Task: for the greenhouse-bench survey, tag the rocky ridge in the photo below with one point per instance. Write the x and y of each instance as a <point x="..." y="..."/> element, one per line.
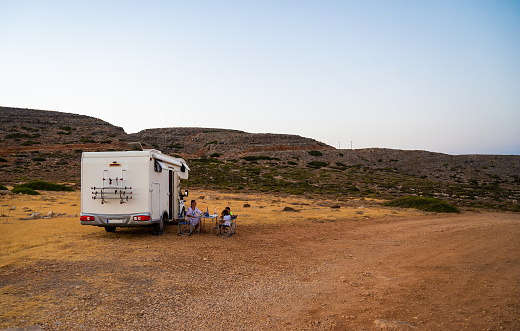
<point x="47" y="145"/>
<point x="208" y="141"/>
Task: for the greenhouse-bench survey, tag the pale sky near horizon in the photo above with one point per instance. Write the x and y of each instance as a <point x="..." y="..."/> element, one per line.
<point x="442" y="76"/>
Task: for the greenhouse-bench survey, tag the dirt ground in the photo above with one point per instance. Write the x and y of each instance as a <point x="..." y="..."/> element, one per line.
<point x="357" y="267"/>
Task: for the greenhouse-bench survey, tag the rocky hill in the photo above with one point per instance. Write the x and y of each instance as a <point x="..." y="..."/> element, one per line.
<point x="37" y="144"/>
<point x="207" y="141"/>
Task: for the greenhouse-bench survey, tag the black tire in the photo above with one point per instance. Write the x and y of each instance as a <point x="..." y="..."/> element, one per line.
<point x="159" y="227"/>
<point x="110" y="228"/>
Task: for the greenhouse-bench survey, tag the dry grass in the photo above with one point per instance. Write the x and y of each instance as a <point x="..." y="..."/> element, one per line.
<point x="63" y="237"/>
<point x="316" y="268"/>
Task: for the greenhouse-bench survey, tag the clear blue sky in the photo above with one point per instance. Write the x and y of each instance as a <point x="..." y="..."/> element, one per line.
<point x="441" y="76"/>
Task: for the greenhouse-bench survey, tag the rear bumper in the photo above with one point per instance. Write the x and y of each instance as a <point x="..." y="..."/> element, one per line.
<point x="117" y="220"/>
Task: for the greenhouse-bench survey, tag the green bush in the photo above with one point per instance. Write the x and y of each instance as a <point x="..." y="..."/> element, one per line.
<point x="315" y="153"/>
<point x="30" y="143"/>
<point x="215" y="155"/>
<point x="259" y="157"/>
<point x="3" y="159"/>
<point x="422" y="203"/>
<point x="86" y="140"/>
<point x="292" y="163"/>
<point x="24" y="190"/>
<point x="3" y="188"/>
<point x="39" y="159"/>
<point x="45" y="186"/>
<point x="317" y="164"/>
<point x="205" y="160"/>
<point x="16" y="136"/>
<point x="175" y="146"/>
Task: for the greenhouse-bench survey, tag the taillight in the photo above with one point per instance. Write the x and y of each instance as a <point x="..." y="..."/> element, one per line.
<point x="141" y="218"/>
<point x="86" y="218"/>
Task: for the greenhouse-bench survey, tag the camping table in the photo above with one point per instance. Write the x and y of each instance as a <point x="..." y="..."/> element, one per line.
<point x="211" y="217"/>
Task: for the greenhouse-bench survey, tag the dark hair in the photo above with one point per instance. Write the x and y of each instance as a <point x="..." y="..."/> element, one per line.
<point x="192" y="201"/>
<point x="227" y="208"/>
<point x="225" y="212"/>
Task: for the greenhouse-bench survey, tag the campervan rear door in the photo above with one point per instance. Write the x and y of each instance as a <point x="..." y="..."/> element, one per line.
<point x="128" y="170"/>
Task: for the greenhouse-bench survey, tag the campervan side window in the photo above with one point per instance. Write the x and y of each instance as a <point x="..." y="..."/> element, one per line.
<point x="159" y="166"/>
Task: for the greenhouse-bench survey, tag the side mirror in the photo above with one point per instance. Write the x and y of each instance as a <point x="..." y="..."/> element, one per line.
<point x="186" y="193"/>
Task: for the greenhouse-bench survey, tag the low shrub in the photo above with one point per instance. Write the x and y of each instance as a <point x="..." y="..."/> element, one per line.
<point x="30" y="143"/>
<point x="315" y="153"/>
<point x="317" y="164"/>
<point x="16" y="136"/>
<point x="44" y="186"/>
<point x="205" y="160"/>
<point x="251" y="158"/>
<point x="24" y="190"/>
<point x="3" y="188"/>
<point x="422" y="203"/>
<point x="175" y="146"/>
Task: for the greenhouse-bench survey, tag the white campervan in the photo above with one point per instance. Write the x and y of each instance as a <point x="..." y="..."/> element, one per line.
<point x="131" y="188"/>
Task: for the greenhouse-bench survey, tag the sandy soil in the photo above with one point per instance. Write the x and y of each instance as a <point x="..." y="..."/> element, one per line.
<point x="357" y="267"/>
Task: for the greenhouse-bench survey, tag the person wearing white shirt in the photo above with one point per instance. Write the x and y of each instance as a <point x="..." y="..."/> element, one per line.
<point x="225" y="217"/>
<point x="194" y="214"/>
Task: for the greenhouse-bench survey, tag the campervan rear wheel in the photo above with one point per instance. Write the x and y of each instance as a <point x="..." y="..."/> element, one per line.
<point x="110" y="228"/>
<point x="159" y="227"/>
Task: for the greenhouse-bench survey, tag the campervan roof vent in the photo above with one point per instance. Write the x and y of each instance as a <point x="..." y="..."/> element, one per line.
<point x="136" y="146"/>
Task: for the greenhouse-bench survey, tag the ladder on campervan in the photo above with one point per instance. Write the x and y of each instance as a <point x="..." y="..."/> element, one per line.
<point x="112" y="188"/>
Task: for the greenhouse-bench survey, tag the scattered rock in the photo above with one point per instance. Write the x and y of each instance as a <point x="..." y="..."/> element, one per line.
<point x="386" y="324"/>
<point x="290" y="209"/>
<point x="6" y="192"/>
<point x="246" y="205"/>
<point x="34" y="216"/>
<point x="335" y="207"/>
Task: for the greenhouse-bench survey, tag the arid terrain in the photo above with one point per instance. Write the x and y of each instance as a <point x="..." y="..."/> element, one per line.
<point x="357" y="266"/>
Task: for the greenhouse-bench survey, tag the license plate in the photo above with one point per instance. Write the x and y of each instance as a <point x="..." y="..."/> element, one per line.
<point x="115" y="221"/>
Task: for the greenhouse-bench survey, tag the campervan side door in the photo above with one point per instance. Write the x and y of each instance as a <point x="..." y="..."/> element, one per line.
<point x="156" y="201"/>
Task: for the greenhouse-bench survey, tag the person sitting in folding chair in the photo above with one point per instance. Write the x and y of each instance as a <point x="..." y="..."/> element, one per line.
<point x="193" y="213"/>
<point x="226" y="226"/>
<point x="229" y="211"/>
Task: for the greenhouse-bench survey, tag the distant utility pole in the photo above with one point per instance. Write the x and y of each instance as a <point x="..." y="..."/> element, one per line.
<point x="339" y="144"/>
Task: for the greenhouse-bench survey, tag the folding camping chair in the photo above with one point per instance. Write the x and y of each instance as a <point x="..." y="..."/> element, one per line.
<point x="185" y="225"/>
<point x="185" y="228"/>
<point x="228" y="228"/>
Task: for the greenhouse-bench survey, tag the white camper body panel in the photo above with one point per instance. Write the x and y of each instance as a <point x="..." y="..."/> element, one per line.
<point x="131" y="188"/>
